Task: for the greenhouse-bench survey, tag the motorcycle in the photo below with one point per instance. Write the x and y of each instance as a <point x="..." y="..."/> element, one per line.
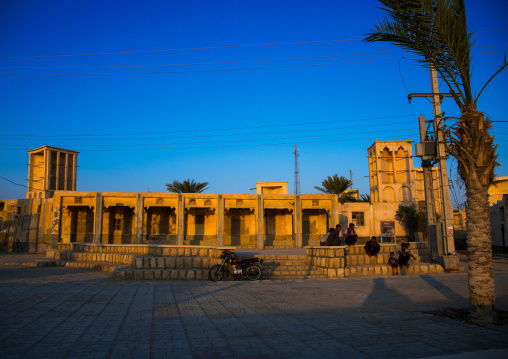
<point x="238" y="268"/>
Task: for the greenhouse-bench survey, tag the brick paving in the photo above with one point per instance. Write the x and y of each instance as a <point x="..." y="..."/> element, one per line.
<point x="55" y="312"/>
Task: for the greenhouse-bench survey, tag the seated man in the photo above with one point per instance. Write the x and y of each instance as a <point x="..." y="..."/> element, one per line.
<point x="333" y="238"/>
<point x="372" y="247"/>
<point x="404" y="255"/>
<point x="350" y="235"/>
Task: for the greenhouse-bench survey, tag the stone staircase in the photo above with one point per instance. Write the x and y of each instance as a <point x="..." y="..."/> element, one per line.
<point x="287" y="266"/>
<point x="358" y="263"/>
<point x="139" y="262"/>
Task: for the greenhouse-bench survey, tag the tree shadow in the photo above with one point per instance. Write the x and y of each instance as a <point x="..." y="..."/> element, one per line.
<point x="443" y="289"/>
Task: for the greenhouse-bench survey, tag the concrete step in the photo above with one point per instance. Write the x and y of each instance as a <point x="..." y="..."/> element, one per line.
<point x="382" y="270"/>
<point x="287" y="267"/>
<point x="104" y="267"/>
<point x="164" y="274"/>
<point x="365" y="259"/>
<point x="290" y="272"/>
<point x="38" y="263"/>
<point x="126" y="259"/>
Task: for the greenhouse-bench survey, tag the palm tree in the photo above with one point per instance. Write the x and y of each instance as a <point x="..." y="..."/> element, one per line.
<point x="436" y="30"/>
<point x="187" y="186"/>
<point x="334" y="185"/>
<point x="365" y="198"/>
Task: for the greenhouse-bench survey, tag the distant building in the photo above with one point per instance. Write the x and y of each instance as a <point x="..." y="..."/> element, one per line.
<point x="55" y="211"/>
<point x="51" y="169"/>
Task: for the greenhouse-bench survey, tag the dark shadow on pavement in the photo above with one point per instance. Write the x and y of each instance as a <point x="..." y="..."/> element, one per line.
<point x="443" y="289"/>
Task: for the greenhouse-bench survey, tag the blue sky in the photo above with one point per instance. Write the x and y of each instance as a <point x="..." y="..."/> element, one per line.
<point x="137" y="130"/>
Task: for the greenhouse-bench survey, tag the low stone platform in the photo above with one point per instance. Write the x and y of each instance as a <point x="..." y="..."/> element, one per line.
<point x="193" y="262"/>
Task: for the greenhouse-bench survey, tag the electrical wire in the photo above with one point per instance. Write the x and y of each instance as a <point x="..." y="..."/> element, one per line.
<point x="181" y="49"/>
<point x="235" y="146"/>
<point x="194" y="71"/>
<point x="198" y="63"/>
<point x="215" y="129"/>
<point x="220" y="135"/>
<point x="231" y="141"/>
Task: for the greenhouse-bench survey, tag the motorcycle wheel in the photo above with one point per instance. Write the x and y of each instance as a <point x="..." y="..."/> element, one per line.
<point x="216" y="273"/>
<point x="253" y="272"/>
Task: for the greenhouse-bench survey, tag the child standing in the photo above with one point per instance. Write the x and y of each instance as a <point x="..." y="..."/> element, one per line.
<point x="392" y="261"/>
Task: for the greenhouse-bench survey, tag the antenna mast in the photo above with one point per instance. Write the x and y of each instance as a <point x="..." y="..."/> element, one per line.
<point x="297" y="171"/>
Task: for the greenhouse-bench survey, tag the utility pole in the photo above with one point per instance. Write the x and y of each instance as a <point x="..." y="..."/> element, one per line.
<point x="297" y="171"/>
<point x="428" y="182"/>
<point x="433" y="151"/>
<point x="448" y="245"/>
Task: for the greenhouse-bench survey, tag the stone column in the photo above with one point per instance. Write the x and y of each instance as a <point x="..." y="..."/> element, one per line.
<point x="74" y="171"/>
<point x="260" y="237"/>
<point x="56" y="227"/>
<point x="180" y="219"/>
<point x="47" y="170"/>
<point x="298" y="219"/>
<point x="57" y="172"/>
<point x="138" y="239"/>
<point x="66" y="169"/>
<point x="220" y="221"/>
<point x="394" y="163"/>
<point x="97" y="233"/>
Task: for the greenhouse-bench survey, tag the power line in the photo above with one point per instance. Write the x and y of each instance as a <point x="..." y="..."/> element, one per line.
<point x="222" y="135"/>
<point x="201" y="48"/>
<point x="182" y="49"/>
<point x="17" y="184"/>
<point x="221" y="62"/>
<point x="197" y="63"/>
<point x="192" y="71"/>
<point x="232" y="141"/>
<point x="236" y="146"/>
<point x="217" y="129"/>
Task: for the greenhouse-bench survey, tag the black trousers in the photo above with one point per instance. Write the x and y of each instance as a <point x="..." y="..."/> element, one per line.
<point x="403" y="259"/>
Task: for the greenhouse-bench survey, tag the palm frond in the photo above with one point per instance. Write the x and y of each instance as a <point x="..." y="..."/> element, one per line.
<point x="437" y="32"/>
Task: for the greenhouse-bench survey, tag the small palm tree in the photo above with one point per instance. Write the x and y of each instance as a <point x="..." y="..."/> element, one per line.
<point x="187" y="186"/>
<point x="334" y="185"/>
<point x="365" y="198"/>
<point x="436" y="31"/>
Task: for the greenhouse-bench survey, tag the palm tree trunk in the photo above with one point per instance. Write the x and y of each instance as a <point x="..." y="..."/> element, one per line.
<point x="474" y="149"/>
<point x="482" y="293"/>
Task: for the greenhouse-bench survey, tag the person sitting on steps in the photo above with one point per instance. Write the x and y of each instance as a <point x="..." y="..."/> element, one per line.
<point x="392" y="261"/>
<point x="338" y="228"/>
<point x="350" y="235"/>
<point x="372" y="247"/>
<point x="404" y="255"/>
<point x="333" y="238"/>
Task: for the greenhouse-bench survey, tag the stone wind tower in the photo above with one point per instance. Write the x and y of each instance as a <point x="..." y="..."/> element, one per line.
<point x="390" y="171"/>
<point x="51" y="169"/>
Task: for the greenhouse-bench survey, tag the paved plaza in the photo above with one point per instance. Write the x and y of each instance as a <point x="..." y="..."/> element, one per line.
<point x="52" y="312"/>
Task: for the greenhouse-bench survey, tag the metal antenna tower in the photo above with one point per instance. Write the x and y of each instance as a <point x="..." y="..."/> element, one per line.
<point x="297" y="171"/>
<point x="351" y="174"/>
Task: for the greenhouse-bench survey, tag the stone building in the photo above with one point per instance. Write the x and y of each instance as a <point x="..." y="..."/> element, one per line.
<point x="55" y="212"/>
<point x="51" y="169"/>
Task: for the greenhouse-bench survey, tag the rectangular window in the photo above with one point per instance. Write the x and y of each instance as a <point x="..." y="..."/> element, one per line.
<point x="118" y="224"/>
<point x="358" y="218"/>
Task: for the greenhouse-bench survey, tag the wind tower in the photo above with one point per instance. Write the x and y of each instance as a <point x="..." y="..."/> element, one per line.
<point x="51" y="169"/>
<point x="297" y="171"/>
